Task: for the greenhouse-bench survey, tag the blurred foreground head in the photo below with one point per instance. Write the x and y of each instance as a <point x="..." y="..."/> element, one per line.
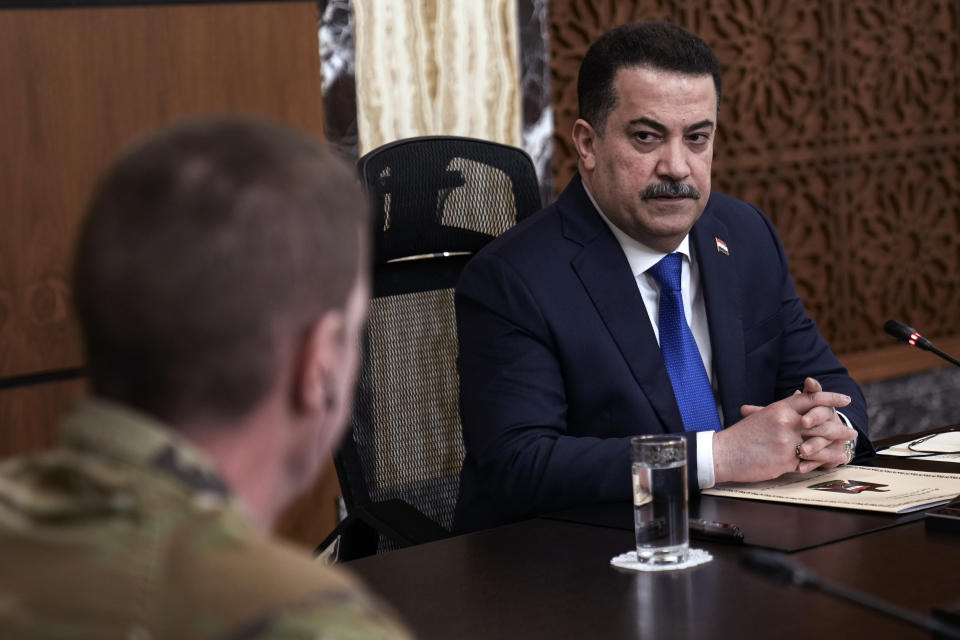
<point x="220" y="265"/>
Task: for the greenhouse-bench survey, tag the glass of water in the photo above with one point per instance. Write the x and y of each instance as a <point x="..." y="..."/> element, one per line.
<point x="660" y="498"/>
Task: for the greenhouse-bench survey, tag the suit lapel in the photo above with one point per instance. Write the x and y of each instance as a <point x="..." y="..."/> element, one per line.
<point x="722" y="297"/>
<point x="605" y="274"/>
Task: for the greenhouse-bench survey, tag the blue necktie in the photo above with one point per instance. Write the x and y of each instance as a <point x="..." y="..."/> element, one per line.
<point x="691" y="386"/>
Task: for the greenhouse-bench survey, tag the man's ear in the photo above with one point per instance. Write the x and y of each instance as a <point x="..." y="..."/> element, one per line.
<point x="321" y="354"/>
<point x="584" y="137"/>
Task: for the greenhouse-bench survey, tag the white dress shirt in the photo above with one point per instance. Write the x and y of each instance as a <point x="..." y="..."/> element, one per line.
<point x="641" y="258"/>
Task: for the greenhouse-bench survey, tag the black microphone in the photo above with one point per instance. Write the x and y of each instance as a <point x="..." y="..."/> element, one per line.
<point x="912" y="337"/>
<point x="778" y="568"/>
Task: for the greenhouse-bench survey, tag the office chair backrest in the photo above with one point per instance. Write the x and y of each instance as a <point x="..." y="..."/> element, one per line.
<point x="436" y="201"/>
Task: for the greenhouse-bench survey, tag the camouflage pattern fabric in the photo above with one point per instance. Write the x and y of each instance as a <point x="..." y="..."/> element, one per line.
<point x="126" y="531"/>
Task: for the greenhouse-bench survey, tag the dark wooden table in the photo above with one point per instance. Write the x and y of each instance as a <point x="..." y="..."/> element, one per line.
<point x="547" y="578"/>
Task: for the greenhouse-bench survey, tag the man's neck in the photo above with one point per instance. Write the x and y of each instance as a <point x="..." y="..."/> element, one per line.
<point x="248" y="454"/>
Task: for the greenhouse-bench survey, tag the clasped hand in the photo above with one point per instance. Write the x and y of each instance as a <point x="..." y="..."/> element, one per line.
<point x="763" y="445"/>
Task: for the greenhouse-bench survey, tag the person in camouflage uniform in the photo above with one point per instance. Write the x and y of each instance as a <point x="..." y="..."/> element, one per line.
<point x="221" y="289"/>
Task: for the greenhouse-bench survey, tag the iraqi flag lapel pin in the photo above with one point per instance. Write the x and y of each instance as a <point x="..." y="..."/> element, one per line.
<point x="722" y="246"/>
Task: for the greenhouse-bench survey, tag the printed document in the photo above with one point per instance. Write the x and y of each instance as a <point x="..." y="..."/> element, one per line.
<point x="851" y="487"/>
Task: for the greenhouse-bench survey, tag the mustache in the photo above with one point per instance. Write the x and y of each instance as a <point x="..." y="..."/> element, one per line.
<point x="670" y="188"/>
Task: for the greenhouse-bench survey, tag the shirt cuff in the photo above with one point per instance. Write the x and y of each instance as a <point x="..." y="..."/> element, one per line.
<point x="845" y="420"/>
<point x="705" y="477"/>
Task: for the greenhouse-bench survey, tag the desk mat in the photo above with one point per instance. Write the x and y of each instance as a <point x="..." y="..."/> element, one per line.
<point x="783" y="527"/>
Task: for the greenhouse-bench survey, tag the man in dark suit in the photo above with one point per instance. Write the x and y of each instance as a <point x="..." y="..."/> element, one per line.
<point x="640" y="303"/>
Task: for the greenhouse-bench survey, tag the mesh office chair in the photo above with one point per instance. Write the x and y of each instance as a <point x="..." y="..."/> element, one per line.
<point x="436" y="201"/>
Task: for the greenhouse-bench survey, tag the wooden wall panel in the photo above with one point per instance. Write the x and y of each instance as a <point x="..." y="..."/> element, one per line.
<point x="29" y="415"/>
<point x="76" y="86"/>
<point x="841" y="120"/>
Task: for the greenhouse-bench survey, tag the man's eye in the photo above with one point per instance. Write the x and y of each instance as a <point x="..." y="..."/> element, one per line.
<point x="645" y="136"/>
<point x="699" y="138"/>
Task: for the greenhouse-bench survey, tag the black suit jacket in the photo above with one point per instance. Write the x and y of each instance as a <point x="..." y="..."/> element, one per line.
<point x="559" y="364"/>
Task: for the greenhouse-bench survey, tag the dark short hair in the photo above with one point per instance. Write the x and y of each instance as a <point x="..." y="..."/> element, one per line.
<point x="207" y="252"/>
<point x="655" y="44"/>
